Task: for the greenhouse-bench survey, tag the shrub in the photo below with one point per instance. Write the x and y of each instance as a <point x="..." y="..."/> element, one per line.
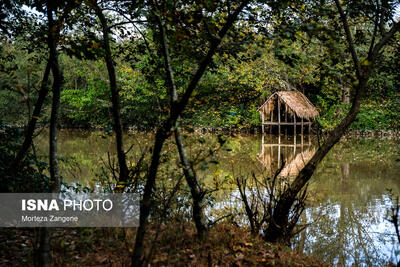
<point x="30" y="175"/>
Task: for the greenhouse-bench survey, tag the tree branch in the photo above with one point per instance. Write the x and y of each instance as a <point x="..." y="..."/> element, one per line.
<point x="395" y="28"/>
<point x="349" y="38"/>
<point x="203" y="65"/>
<point x="167" y="62"/>
<point x="371" y="47"/>
<point x="125" y="22"/>
<point x="162" y="134"/>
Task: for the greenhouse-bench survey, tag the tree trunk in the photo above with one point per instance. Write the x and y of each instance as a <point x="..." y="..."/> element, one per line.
<point x="55" y="108"/>
<point x="281" y="212"/>
<point x="199" y="216"/>
<point x="195" y="188"/>
<point x="274" y="232"/>
<point x="164" y="131"/>
<point x="145" y="205"/>
<point x="116" y="107"/>
<point x="35" y="116"/>
<point x="45" y="257"/>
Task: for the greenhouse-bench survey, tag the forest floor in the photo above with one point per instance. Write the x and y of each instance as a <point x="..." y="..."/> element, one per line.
<point x="172" y="245"/>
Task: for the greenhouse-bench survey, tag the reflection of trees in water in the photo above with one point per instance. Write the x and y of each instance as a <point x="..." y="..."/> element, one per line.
<point x="343" y="235"/>
<point x="352" y="184"/>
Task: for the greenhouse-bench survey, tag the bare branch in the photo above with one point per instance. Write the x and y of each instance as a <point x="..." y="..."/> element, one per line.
<point x="395" y="28"/>
<point x="167" y="62"/>
<point x="349" y="38"/>
<point x="371" y="47"/>
<point x="126" y="22"/>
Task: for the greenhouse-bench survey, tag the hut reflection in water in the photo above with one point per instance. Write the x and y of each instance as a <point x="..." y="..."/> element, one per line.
<point x="294" y="150"/>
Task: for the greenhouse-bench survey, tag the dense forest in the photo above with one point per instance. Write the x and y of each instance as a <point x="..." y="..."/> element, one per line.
<point x="257" y="59"/>
<point x="148" y="76"/>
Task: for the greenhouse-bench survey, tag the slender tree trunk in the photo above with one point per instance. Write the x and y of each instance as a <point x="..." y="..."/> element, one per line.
<point x="45" y="257"/>
<point x="145" y="205"/>
<point x="35" y="116"/>
<point x="197" y="192"/>
<point x="165" y="130"/>
<point x="55" y="108"/>
<point x="195" y="188"/>
<point x="116" y="107"/>
<point x="42" y="94"/>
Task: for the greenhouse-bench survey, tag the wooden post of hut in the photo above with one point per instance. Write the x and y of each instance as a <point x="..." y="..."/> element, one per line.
<point x="296" y="104"/>
<point x="294" y="144"/>
<point x="279" y="117"/>
<point x="272" y="121"/>
<point x="279" y="150"/>
<point x="262" y="145"/>
<point x="262" y="121"/>
<point x="286" y="119"/>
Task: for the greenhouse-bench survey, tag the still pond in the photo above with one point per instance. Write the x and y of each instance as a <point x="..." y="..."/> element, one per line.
<point x="348" y="203"/>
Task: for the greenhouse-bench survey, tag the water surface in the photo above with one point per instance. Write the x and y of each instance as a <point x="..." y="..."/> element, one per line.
<point x="348" y="192"/>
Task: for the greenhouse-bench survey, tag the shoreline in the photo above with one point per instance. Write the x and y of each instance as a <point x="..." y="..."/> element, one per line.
<point x="245" y="130"/>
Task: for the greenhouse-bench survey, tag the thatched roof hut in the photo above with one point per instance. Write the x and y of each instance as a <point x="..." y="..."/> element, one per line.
<point x="290" y="108"/>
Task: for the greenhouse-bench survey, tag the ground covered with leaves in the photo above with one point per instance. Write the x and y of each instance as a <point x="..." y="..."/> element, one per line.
<point x="172" y="245"/>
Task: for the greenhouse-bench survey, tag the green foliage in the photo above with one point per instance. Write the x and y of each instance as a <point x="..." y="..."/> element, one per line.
<point x="300" y="53"/>
<point x="228" y="95"/>
<point x="332" y="114"/>
<point x="87" y="102"/>
<point x="30" y="176"/>
<point x="375" y="115"/>
<point x="143" y="97"/>
<point x="86" y="95"/>
<point x="20" y="79"/>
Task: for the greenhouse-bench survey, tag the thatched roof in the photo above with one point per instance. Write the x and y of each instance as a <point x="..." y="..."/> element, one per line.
<point x="296" y="102"/>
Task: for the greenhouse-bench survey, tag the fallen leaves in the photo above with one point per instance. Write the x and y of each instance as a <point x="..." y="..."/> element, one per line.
<point x="175" y="245"/>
